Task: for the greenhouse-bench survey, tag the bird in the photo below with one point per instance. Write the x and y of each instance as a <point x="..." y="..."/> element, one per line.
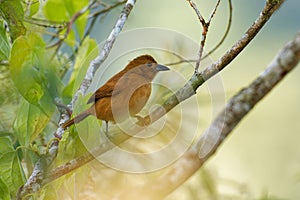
<point x="124" y="95"/>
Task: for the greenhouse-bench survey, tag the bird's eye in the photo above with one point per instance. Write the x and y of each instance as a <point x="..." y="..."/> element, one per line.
<point x="149" y="64"/>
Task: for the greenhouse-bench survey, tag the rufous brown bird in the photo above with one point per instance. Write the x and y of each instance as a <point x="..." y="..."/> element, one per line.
<point x="125" y="94"/>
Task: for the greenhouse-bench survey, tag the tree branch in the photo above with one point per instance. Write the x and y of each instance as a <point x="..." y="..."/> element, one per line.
<point x="238" y="106"/>
<point x="205" y="26"/>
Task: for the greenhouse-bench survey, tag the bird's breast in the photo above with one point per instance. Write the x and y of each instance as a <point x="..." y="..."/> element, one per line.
<point x="124" y="104"/>
<point x="139" y="98"/>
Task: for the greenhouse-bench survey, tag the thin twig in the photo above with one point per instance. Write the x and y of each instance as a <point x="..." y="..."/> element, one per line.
<point x="216" y="46"/>
<point x="197" y="11"/>
<point x="70" y="24"/>
<point x="46" y="23"/>
<point x="204" y="32"/>
<point x="225" y="34"/>
<point x="205" y="26"/>
<point x="182" y="61"/>
<point x="106" y="9"/>
<point x="213" y="12"/>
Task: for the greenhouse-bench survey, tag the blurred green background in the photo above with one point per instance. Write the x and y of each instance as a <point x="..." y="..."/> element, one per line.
<point x="261" y="158"/>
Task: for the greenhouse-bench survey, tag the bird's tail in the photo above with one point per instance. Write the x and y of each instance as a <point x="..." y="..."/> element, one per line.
<point x="76" y="119"/>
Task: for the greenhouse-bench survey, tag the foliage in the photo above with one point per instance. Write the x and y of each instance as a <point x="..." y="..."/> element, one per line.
<point x="12" y="174"/>
<point x="35" y="71"/>
<point x="12" y="11"/>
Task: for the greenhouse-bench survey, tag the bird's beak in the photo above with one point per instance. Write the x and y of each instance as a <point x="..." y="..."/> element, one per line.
<point x="161" y="68"/>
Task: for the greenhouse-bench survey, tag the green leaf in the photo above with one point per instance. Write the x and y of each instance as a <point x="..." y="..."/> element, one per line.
<point x="58" y="6"/>
<point x="30" y="122"/>
<point x="82" y="20"/>
<point x="86" y="53"/>
<point x="34" y="72"/>
<point x="11" y="172"/>
<point x="57" y="10"/>
<point x="70" y="147"/>
<point x="34" y="8"/>
<point x="12" y="12"/>
<point x="68" y="92"/>
<point x="25" y="67"/>
<point x="49" y="192"/>
<point x="4" y="191"/>
<point x="4" y="44"/>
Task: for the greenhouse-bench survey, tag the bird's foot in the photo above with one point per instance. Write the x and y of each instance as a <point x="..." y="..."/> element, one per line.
<point x="142" y="121"/>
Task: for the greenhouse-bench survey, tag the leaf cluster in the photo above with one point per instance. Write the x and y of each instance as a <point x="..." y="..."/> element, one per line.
<point x="34" y="73"/>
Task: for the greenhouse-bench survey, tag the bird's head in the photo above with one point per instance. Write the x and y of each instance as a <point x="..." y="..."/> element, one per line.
<point x="147" y="65"/>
